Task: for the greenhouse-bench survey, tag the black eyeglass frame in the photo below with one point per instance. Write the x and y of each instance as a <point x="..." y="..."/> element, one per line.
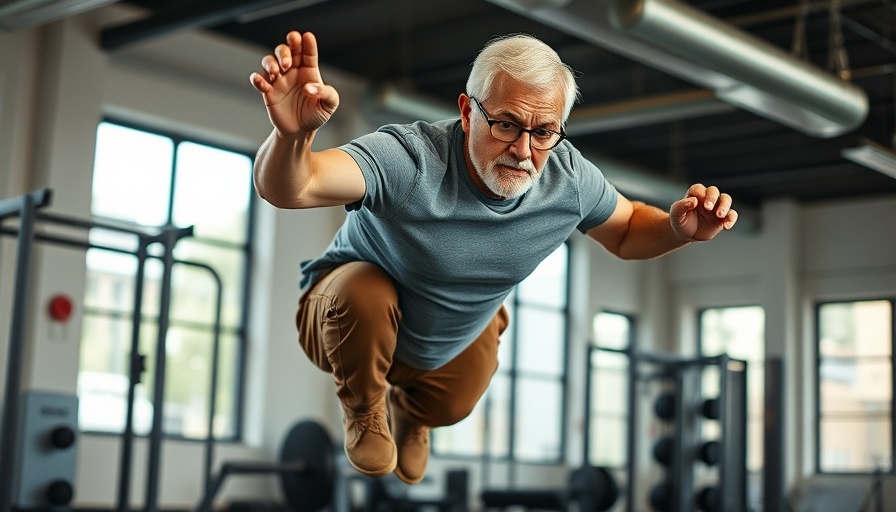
<point x="491" y="123"/>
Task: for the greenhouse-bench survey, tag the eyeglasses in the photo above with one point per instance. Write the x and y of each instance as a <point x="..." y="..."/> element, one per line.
<point x="508" y="131"/>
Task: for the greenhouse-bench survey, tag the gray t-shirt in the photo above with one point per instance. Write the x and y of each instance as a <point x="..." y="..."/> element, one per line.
<point x="454" y="252"/>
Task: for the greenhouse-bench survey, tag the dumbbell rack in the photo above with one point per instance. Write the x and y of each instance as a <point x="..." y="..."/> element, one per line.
<point x="684" y="409"/>
<point x="684" y="376"/>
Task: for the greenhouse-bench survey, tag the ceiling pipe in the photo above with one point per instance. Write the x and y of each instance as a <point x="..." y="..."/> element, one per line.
<point x="831" y="105"/>
<point x="667" y="36"/>
<point x="390" y="104"/>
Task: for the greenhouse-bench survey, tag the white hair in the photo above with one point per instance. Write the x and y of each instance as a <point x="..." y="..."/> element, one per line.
<point x="524" y="58"/>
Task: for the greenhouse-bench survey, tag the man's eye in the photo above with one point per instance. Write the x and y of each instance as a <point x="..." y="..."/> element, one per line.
<point x="507" y="126"/>
<point x="542" y="133"/>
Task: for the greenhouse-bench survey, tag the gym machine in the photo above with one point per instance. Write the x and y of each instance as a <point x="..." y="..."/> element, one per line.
<point x="588" y="489"/>
<point x="307" y="471"/>
<point x="26" y="208"/>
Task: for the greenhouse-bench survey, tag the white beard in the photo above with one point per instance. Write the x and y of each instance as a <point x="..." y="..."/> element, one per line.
<point x="505" y="185"/>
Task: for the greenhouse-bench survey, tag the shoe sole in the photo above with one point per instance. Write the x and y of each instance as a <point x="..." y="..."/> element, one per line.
<point x="378" y="472"/>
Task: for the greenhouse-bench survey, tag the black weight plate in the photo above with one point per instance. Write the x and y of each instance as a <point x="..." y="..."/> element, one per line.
<point x="313" y="489"/>
<point x="664" y="450"/>
<point x="594" y="488"/>
<point x="664" y="406"/>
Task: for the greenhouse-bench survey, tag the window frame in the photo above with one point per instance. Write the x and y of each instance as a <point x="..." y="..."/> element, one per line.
<point x="240" y="331"/>
<point x="817" y="385"/>
<point x="593" y="412"/>
<point x="751" y="365"/>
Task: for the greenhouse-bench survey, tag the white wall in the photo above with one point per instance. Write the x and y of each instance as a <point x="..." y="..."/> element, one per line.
<point x="56" y="84"/>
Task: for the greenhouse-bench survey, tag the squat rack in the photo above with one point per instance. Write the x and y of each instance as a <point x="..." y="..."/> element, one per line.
<point x="26" y="208"/>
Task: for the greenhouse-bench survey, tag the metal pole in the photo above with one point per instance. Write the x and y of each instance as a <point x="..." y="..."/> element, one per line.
<point x="9" y="431"/>
<point x="631" y="451"/>
<point x="773" y="494"/>
<point x="136" y="369"/>
<point x="155" y="437"/>
<point x="213" y="394"/>
<point x="586" y="444"/>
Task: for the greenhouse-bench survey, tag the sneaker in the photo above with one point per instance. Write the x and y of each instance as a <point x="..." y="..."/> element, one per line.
<point x="368" y="443"/>
<point x="412" y="440"/>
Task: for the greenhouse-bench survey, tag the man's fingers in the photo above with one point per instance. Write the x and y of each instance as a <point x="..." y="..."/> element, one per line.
<point x="723" y="206"/>
<point x="284" y="56"/>
<point x="681" y="207"/>
<point x="731" y="219"/>
<point x="309" y="50"/>
<point x="271" y="66"/>
<point x="294" y="41"/>
<point x="696" y="190"/>
<point x="711" y="198"/>
<point x="327" y="95"/>
<point x="260" y="84"/>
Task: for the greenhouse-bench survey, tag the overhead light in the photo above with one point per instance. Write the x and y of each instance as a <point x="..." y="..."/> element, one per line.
<point x="872" y="156"/>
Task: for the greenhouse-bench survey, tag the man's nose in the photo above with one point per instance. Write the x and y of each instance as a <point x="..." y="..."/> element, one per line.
<point x="521" y="148"/>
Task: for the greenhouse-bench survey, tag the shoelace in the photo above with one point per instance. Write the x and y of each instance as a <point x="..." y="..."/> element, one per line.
<point x="372" y="421"/>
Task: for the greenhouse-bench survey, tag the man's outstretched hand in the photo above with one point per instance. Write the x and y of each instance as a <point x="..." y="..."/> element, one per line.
<point x="702" y="213"/>
<point x="294" y="94"/>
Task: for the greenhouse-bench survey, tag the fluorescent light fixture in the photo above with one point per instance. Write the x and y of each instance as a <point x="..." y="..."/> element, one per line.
<point x="872" y="156"/>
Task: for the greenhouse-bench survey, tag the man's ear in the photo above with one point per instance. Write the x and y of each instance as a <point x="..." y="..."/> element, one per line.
<point x="463" y="105"/>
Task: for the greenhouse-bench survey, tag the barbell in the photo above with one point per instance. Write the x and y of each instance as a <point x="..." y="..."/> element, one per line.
<point x="307" y="469"/>
<point x="588" y="489"/>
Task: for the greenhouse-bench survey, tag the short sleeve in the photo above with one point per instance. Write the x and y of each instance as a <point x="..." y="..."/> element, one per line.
<point x="389" y="165"/>
<point x="597" y="195"/>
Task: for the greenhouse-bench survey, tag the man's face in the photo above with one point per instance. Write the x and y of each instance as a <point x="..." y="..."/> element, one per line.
<point x="508" y="169"/>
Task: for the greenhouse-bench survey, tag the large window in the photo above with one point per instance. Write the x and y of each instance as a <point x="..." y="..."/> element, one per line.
<point x="521" y="415"/>
<point x="608" y="410"/>
<point x="156" y="179"/>
<point x="738" y="332"/>
<point x="855" y="386"/>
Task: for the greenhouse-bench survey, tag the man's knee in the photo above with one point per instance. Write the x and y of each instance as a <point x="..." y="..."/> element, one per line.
<point x="451" y="413"/>
<point x="365" y="289"/>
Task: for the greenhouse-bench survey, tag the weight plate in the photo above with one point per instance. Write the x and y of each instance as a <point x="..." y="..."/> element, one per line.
<point x="311" y="490"/>
<point x="594" y="488"/>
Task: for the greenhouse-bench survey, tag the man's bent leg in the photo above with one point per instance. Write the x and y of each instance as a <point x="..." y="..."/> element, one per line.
<point x="347" y="326"/>
<point x="420" y="400"/>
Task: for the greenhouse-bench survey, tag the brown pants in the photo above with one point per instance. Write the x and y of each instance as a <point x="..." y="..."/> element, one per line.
<point x="348" y="324"/>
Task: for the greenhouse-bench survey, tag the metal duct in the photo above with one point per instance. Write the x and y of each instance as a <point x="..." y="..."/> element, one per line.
<point x="669" y="37"/>
<point x="832" y="106"/>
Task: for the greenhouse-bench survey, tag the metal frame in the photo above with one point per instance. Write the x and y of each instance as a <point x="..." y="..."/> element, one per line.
<point x="686" y="376"/>
<point x="167" y="236"/>
<point x="25" y="207"/>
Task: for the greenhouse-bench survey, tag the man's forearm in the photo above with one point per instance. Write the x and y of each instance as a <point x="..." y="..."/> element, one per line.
<point x="649" y="234"/>
<point x="281" y="169"/>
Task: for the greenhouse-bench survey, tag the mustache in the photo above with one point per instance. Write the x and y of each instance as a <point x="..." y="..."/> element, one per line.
<point x="523" y="165"/>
